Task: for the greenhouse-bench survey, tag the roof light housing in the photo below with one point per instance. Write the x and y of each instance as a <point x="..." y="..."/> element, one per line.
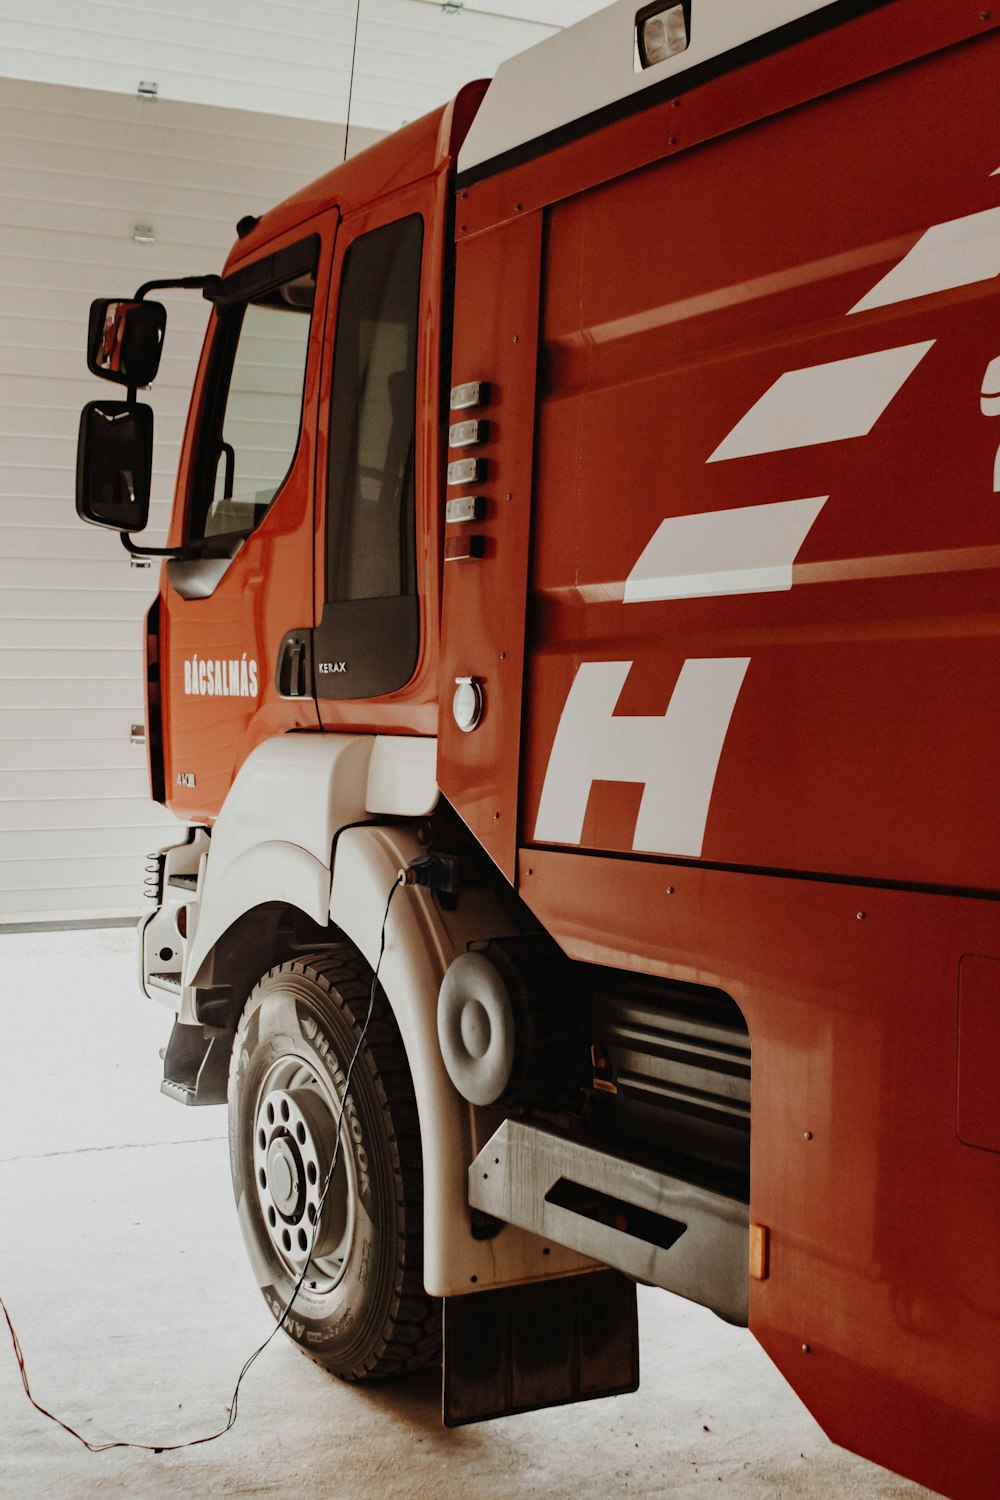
<point x="662" y="30"/>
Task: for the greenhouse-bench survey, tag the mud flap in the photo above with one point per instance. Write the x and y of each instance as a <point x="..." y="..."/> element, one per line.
<point x="521" y="1348"/>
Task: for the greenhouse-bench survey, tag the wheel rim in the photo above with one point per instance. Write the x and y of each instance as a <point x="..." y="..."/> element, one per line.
<point x="294" y="1131"/>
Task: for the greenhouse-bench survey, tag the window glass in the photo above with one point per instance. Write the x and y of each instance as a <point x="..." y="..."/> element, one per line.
<point x="252" y="423"/>
<point x="371" y="543"/>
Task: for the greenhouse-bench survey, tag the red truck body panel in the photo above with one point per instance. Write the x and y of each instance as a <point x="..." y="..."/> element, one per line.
<point x="882" y="1305"/>
<point x="831" y="880"/>
<point x="867" y="674"/>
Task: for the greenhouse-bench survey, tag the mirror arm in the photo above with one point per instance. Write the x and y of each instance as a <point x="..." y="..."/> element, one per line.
<point x="192" y="283"/>
<point x="204" y="548"/>
<point x="194" y="549"/>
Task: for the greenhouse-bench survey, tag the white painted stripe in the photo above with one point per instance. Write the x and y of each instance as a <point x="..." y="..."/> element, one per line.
<point x="955" y="253"/>
<point x="989" y="395"/>
<point x="749" y="550"/>
<point x="675" y="755"/>
<point x="823" y="403"/>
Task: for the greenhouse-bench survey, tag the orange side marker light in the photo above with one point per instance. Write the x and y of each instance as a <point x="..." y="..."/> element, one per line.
<point x="759" y="1251"/>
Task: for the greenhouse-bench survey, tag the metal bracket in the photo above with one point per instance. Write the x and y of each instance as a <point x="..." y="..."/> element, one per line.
<point x="657" y="1228"/>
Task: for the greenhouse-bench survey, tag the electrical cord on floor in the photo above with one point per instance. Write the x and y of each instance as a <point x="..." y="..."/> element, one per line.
<point x="401" y="879"/>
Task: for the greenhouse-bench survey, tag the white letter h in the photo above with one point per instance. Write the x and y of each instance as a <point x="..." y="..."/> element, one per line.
<point x="675" y="756"/>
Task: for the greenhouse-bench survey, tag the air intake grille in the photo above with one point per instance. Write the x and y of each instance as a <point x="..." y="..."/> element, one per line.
<point x="678" y="1064"/>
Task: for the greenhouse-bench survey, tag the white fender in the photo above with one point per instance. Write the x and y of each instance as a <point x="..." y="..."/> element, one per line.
<point x="420" y="942"/>
<point x="273" y="841"/>
<point x="273" y="838"/>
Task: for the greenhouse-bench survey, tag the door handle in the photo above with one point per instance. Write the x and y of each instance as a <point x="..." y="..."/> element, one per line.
<point x="294" y="671"/>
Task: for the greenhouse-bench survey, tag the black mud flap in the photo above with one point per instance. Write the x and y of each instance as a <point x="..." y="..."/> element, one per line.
<point x="525" y="1347"/>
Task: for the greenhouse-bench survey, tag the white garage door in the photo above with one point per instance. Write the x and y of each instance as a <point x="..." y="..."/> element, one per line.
<point x="97" y="193"/>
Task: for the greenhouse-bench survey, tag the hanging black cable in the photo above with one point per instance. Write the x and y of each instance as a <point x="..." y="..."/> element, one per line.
<point x="350" y="86"/>
<point x="234" y="1404"/>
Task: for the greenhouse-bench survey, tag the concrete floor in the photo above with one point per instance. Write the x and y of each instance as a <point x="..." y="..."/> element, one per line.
<point x="122" y="1266"/>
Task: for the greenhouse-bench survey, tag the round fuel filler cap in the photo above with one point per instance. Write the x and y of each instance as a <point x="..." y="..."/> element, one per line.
<point x="468" y="703"/>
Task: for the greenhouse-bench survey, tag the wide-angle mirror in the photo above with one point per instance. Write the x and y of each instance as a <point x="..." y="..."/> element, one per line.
<point x="125" y="340"/>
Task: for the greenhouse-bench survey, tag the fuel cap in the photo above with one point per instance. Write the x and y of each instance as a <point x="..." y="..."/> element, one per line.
<point x="468" y="703"/>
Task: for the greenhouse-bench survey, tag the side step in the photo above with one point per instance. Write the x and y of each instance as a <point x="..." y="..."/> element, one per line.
<point x="658" y="1229"/>
<point x="169" y="982"/>
<point x="196" y="1067"/>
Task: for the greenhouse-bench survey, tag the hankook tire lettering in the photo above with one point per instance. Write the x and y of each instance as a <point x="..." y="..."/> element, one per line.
<point x="350" y="1114"/>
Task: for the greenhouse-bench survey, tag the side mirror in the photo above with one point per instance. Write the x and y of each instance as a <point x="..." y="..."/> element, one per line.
<point x="114" y="464"/>
<point x="125" y="340"/>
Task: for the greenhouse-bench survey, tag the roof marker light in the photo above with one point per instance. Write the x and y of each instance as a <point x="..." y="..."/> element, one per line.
<point x="661" y="31"/>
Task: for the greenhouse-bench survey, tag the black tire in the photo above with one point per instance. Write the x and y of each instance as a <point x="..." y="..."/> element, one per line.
<point x="362" y="1311"/>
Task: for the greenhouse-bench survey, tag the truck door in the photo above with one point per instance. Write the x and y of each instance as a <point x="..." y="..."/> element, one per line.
<point x="378" y="457"/>
<point x="246" y="485"/>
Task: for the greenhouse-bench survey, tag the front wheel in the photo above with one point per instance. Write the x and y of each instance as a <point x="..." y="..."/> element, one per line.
<point x="361" y="1311"/>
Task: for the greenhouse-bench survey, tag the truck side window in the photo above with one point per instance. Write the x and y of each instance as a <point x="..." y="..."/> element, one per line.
<point x="370" y="618"/>
<point x="370" y="529"/>
<point x="253" y="411"/>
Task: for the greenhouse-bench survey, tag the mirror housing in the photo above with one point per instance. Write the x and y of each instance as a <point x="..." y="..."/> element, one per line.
<point x="114" y="464"/>
<point x="125" y="340"/>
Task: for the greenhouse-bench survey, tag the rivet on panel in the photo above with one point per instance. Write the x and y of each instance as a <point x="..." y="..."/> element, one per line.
<point x="807" y="1348"/>
<point x="517" y="338"/>
<point x="807" y="1135"/>
<point x="670" y="890"/>
<point x="862" y="915"/>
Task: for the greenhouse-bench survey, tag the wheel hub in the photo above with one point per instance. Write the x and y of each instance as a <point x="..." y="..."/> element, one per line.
<point x="284" y="1177"/>
<point x="293" y="1134"/>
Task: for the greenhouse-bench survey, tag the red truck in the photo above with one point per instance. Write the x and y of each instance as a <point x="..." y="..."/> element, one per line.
<point x="581" y="607"/>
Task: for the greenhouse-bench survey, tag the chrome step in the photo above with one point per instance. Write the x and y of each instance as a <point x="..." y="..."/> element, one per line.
<point x="659" y="1229"/>
<point x="171" y="982"/>
<point x="177" y="1091"/>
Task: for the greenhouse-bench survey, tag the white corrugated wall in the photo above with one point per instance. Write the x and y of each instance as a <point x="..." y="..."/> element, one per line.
<point x="249" y="93"/>
<point x="79" y="171"/>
